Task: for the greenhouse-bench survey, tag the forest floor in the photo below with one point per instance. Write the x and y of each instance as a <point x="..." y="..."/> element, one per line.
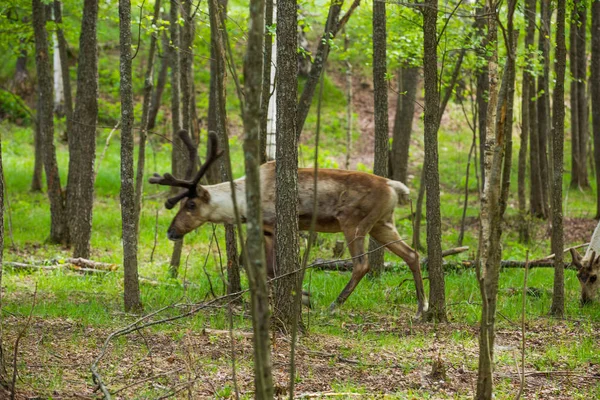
<point x="415" y="361"/>
<point x="371" y="348"/>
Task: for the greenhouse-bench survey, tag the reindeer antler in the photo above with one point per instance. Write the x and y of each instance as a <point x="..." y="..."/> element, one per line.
<point x="169" y="180"/>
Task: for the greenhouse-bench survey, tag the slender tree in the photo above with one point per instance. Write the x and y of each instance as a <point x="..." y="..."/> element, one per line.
<point x="381" y="148"/>
<point x="59" y="232"/>
<point x="256" y="266"/>
<point x="267" y="82"/>
<point x="285" y="311"/>
<point x="217" y="121"/>
<point x="482" y="88"/>
<point x="64" y="65"/>
<point x="408" y="79"/>
<point x="82" y="137"/>
<point x="437" y="298"/>
<point x="558" y="135"/>
<point x="321" y="55"/>
<point x="595" y="94"/>
<point x="145" y="122"/>
<point x="161" y="82"/>
<point x="544" y="124"/>
<point x="177" y="155"/>
<point x="581" y="82"/>
<point x="493" y="198"/>
<point x="530" y="121"/>
<point x="131" y="293"/>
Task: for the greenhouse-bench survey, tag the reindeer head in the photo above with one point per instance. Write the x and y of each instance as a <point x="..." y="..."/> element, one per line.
<point x="588" y="272"/>
<point x="193" y="211"/>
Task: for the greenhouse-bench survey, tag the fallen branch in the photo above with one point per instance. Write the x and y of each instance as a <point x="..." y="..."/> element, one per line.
<point x="346" y="265"/>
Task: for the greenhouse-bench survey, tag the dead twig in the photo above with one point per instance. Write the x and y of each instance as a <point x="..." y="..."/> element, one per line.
<point x="16" y="350"/>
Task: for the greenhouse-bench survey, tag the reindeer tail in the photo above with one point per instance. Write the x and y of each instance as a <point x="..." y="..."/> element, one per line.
<point x="401" y="190"/>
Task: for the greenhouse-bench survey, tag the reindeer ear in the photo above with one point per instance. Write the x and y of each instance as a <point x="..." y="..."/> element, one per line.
<point x="576" y="258"/>
<point x="202" y="193"/>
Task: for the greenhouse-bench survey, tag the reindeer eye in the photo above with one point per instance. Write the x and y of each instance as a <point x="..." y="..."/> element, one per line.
<point x="593" y="278"/>
<point x="190" y="205"/>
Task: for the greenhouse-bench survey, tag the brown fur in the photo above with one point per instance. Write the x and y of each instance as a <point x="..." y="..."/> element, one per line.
<point x="588" y="270"/>
<point x="354" y="203"/>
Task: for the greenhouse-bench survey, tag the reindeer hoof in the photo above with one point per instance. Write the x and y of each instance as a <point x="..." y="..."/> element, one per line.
<point x="333" y="307"/>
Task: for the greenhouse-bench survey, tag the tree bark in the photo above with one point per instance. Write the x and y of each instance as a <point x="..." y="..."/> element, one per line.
<point x="582" y="104"/>
<point x="38" y="155"/>
<point x="285" y="312"/>
<point x="131" y="293"/>
<point x="482" y="90"/>
<point x="437" y="297"/>
<point x="146" y="105"/>
<point x="186" y="59"/>
<point x="595" y="94"/>
<point x="59" y="232"/>
<point x="161" y="82"/>
<point x="535" y="188"/>
<point x="381" y="149"/>
<point x="490" y="250"/>
<point x="558" y="135"/>
<point x="576" y="162"/>
<point x="543" y="111"/>
<point x="405" y="110"/>
<point x="177" y="153"/>
<point x="256" y="266"/>
<point x="82" y="137"/>
<point x="64" y="66"/>
<point x="319" y="61"/>
<point x="267" y="84"/>
<point x="218" y="123"/>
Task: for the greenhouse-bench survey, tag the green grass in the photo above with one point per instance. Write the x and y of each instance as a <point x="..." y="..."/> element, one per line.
<point x="376" y="320"/>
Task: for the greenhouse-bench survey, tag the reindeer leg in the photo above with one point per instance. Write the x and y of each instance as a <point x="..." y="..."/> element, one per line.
<point x="386" y="234"/>
<point x="270" y="252"/>
<point x="356" y="244"/>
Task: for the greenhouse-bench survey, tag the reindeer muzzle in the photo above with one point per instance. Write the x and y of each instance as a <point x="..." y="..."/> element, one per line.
<point x="174" y="236"/>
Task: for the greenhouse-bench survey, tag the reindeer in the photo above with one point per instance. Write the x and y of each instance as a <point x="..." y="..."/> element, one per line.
<point x="588" y="268"/>
<point x="354" y="203"/>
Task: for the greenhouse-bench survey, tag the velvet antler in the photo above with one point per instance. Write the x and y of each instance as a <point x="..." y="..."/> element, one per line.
<point x="169" y="180"/>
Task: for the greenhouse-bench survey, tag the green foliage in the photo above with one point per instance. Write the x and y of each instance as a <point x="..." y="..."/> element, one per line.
<point x="13" y="108"/>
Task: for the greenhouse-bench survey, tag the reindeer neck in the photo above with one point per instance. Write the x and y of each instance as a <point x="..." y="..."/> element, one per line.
<point x="222" y="202"/>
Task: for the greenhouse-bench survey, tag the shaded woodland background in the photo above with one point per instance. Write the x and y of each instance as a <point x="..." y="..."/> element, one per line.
<point x="487" y="111"/>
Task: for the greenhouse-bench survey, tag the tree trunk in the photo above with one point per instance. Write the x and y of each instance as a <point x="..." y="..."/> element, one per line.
<point x="64" y="66"/>
<point x="82" y="137"/>
<point x="576" y="161"/>
<point x="482" y="90"/>
<point x="437" y="297"/>
<point x="21" y="78"/>
<point x="381" y="149"/>
<point x="491" y="217"/>
<point x="3" y="369"/>
<point x="160" y="83"/>
<point x="595" y="94"/>
<point x="558" y="134"/>
<point x="543" y="112"/>
<point x="582" y="104"/>
<point x="535" y="189"/>
<point x="59" y="232"/>
<point x="131" y="293"/>
<point x="256" y="266"/>
<point x="405" y="110"/>
<point x="218" y="122"/>
<point x="319" y="61"/>
<point x="38" y="155"/>
<point x="268" y="83"/>
<point x="146" y="105"/>
<point x="177" y="153"/>
<point x="285" y="311"/>
<point x="186" y="59"/>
